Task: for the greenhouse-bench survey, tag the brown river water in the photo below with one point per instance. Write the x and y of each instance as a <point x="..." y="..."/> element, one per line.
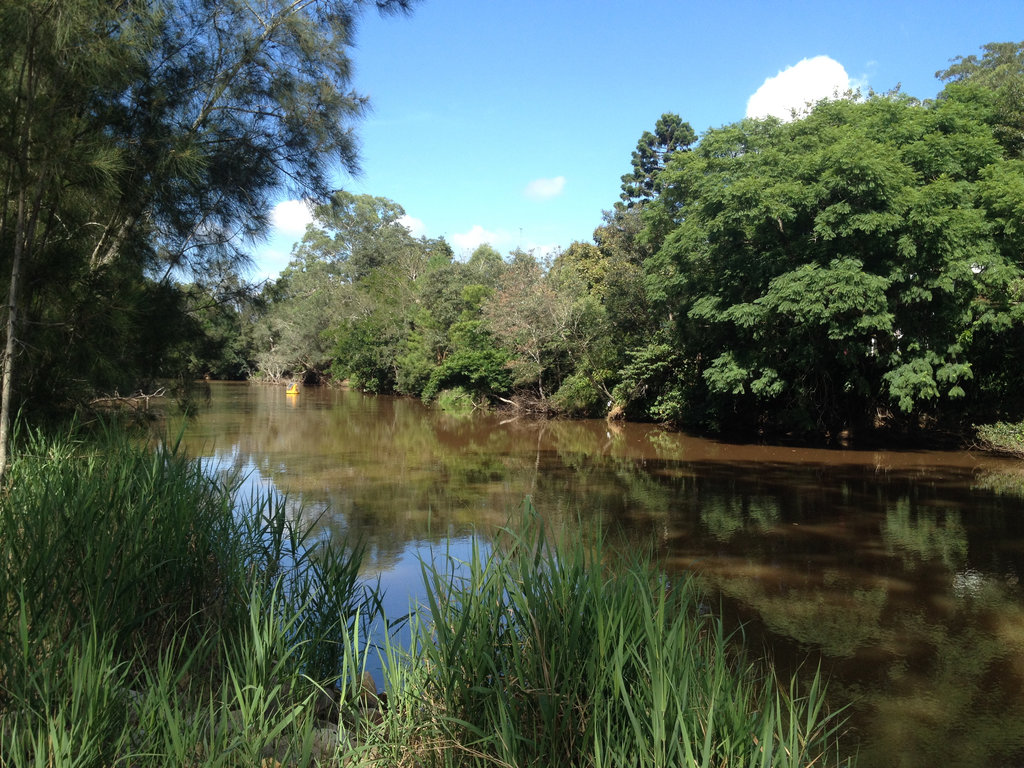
<point x="899" y="572"/>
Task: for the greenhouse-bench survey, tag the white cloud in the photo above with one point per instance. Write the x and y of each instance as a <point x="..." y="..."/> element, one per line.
<point x="290" y="217"/>
<point x="269" y="261"/>
<point x="542" y="189"/>
<point x="415" y="226"/>
<point x="811" y="80"/>
<point x="476" y="236"/>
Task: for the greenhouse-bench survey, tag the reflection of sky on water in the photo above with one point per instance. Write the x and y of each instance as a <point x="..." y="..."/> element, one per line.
<point x="402" y="581"/>
<point x="400" y="578"/>
<point x="402" y="585"/>
<point x="241" y="471"/>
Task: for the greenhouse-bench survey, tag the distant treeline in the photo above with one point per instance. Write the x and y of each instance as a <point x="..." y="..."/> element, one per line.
<point x="859" y="266"/>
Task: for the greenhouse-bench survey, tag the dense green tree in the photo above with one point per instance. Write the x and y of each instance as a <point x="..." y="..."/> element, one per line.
<point x="471" y="358"/>
<point x="362" y="298"/>
<point x="476" y="366"/>
<point x="552" y="325"/>
<point x="635" y="329"/>
<point x="366" y="348"/>
<point x="365" y="301"/>
<point x="999" y="76"/>
<point x="56" y="163"/>
<point x="225" y="312"/>
<point x="819" y="270"/>
<point x="655" y="383"/>
<point x="305" y="302"/>
<point x="442" y="301"/>
<point x="355" y="249"/>
<point x="486" y="265"/>
<point x="366" y="233"/>
<point x="592" y="285"/>
<point x="623" y="234"/>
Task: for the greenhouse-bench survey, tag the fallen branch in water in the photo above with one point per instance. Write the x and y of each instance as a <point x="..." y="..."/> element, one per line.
<point x="530" y="404"/>
<point x="136" y="402"/>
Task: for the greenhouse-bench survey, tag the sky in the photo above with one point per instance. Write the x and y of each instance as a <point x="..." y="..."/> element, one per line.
<point x="511" y="123"/>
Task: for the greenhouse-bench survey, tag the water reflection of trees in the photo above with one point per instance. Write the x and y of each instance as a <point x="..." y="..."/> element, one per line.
<point x="928" y="648"/>
<point x="925" y="535"/>
<point x="726" y="515"/>
<point x="833" y="612"/>
<point x="958" y="703"/>
<point x="902" y="572"/>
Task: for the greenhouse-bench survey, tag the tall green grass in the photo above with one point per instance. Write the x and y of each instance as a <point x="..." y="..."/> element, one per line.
<point x="145" y="621"/>
<point x="541" y="656"/>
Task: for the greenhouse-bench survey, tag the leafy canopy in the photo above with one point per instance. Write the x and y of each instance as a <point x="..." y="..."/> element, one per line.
<point x="860" y="258"/>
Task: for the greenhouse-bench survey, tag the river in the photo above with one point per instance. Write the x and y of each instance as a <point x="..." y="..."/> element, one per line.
<point x="898" y="571"/>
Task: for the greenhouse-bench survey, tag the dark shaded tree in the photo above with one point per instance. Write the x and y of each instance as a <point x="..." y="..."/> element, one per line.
<point x="652" y="153"/>
<point x="143" y="140"/>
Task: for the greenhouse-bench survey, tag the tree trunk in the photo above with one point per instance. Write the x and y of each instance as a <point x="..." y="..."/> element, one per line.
<point x="11" y="344"/>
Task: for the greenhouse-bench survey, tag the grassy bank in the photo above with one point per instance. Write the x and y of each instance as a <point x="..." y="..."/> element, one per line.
<point x="147" y="623"/>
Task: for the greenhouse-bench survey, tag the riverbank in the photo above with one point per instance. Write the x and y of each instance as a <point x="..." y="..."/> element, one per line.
<point x="152" y="623"/>
<point x="999" y="438"/>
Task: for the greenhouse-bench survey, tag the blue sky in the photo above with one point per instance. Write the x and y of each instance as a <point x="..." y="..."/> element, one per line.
<point x="512" y="122"/>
